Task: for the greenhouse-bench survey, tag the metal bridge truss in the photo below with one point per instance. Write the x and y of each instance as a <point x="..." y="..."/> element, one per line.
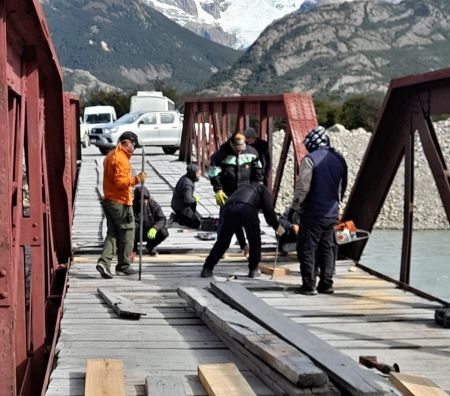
<point x="407" y="111"/>
<point x="208" y="122"/>
<point x="38" y="164"/>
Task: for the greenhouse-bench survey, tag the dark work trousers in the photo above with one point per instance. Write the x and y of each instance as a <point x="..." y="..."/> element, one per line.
<point x="189" y="217"/>
<point x="150" y="243"/>
<point x="239" y="231"/>
<point x="119" y="235"/>
<point x="237" y="215"/>
<point x="316" y="245"/>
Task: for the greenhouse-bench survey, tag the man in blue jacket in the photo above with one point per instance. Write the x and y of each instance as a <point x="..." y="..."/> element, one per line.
<point x="320" y="187"/>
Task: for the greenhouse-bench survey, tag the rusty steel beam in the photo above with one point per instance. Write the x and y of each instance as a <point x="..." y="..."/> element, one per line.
<point x="38" y="158"/>
<point x="297" y="109"/>
<point x="7" y="331"/>
<point x="406" y="112"/>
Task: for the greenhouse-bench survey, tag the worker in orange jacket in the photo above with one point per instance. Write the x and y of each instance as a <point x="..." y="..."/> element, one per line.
<point x="117" y="206"/>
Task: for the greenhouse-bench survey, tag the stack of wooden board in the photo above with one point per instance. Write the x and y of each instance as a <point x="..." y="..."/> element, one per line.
<point x="282" y="367"/>
<point x="283" y="354"/>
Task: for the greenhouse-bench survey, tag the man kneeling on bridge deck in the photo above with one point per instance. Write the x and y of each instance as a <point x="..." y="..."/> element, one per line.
<point x="241" y="211"/>
<point x="154" y="229"/>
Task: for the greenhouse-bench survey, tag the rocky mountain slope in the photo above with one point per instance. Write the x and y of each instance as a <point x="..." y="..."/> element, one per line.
<point x="340" y="49"/>
<point x="128" y="44"/>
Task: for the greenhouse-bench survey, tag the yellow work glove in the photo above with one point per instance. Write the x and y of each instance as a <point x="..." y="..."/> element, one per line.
<point x="280" y="231"/>
<point x="196" y="198"/>
<point x="151" y="234"/>
<point x="220" y="198"/>
<point x="141" y="177"/>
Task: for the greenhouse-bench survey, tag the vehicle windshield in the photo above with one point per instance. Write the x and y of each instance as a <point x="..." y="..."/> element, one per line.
<point x="100" y="118"/>
<point x="128" y="118"/>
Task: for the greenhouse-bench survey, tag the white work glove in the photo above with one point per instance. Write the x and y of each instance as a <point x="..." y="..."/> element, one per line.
<point x="280" y="231"/>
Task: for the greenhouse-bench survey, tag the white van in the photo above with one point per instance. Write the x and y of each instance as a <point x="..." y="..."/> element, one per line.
<point x="94" y="116"/>
<point x="150" y="101"/>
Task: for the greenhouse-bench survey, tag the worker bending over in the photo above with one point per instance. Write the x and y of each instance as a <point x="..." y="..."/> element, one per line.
<point x="233" y="165"/>
<point x="241" y="211"/>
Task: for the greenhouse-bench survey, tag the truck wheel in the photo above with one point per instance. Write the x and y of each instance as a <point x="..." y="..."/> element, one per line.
<point x="170" y="150"/>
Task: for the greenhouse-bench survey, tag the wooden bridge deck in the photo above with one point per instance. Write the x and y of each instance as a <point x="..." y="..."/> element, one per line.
<point x="365" y="316"/>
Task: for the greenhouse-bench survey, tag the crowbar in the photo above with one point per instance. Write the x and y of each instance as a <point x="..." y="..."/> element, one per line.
<point x="141" y="216"/>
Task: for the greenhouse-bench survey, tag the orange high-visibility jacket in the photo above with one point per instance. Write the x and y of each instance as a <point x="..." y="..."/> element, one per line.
<point x="117" y="179"/>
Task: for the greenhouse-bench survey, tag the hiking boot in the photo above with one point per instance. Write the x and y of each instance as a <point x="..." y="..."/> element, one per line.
<point x="306" y="290"/>
<point x="125" y="271"/>
<point x="153" y="252"/>
<point x="105" y="272"/>
<point x="206" y="273"/>
<point x="325" y="290"/>
<point x="254" y="273"/>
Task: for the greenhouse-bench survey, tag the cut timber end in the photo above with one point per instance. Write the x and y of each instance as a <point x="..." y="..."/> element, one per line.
<point x="278" y="271"/>
<point x="104" y="377"/>
<point x="224" y="380"/>
<point x="415" y="385"/>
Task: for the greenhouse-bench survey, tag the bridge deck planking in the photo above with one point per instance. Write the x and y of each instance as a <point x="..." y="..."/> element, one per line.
<point x="366" y="316"/>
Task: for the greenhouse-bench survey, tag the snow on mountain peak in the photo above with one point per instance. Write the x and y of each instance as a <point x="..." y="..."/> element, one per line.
<point x="242" y="19"/>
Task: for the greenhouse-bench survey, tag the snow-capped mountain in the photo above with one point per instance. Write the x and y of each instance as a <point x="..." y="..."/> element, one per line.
<point x="234" y="23"/>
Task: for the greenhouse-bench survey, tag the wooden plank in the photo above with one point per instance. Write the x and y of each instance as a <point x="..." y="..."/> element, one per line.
<point x="224" y="380"/>
<point x="278" y="271"/>
<point x="121" y="305"/>
<point x="164" y="385"/>
<point x="104" y="377"/>
<point x="275" y="381"/>
<point x="284" y="358"/>
<point x="415" y="385"/>
<point x="345" y="371"/>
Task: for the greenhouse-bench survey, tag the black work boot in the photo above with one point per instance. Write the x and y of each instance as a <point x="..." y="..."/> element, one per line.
<point x="254" y="273"/>
<point x="306" y="290"/>
<point x="206" y="273"/>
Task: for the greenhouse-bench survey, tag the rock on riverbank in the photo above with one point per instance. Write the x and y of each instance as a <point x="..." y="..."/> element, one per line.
<point x="428" y="209"/>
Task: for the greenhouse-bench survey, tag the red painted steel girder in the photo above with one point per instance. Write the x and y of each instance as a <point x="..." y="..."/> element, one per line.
<point x="407" y="110"/>
<point x="208" y="123"/>
<point x="37" y="159"/>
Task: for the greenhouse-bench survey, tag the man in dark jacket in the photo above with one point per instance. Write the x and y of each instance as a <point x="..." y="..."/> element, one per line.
<point x="154" y="229"/>
<point x="233" y="165"/>
<point x="184" y="201"/>
<point x="320" y="187"/>
<point x="241" y="211"/>
<point x="262" y="147"/>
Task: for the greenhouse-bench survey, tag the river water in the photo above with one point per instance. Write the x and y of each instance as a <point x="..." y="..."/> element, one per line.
<point x="430" y="258"/>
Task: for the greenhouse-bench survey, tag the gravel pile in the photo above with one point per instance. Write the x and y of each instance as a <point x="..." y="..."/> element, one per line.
<point x="428" y="209"/>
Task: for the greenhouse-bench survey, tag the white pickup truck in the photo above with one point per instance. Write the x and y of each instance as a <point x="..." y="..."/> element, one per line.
<point x="154" y="128"/>
<point x="94" y="116"/>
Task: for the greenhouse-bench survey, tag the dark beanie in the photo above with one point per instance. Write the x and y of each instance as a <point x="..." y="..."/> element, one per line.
<point x="192" y="168"/>
<point x="131" y="136"/>
<point x="137" y="193"/>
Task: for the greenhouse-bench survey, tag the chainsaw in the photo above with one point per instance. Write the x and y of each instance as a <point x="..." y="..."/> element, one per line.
<point x="347" y="232"/>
